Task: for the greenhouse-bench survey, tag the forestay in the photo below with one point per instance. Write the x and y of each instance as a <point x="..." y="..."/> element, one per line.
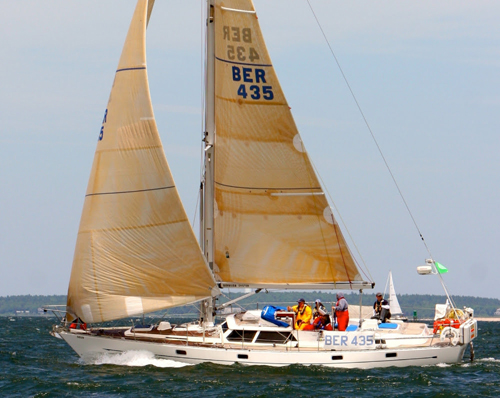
<point x="136" y="251"/>
<point x="273" y="224"/>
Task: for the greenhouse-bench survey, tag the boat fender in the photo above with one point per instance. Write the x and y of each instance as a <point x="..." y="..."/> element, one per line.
<point x="451" y="333"/>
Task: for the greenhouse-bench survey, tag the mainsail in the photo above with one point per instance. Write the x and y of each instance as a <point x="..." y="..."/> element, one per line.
<point x="273" y="224"/>
<point x="136" y="251"/>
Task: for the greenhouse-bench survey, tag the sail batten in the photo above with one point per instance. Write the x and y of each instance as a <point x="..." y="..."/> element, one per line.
<point x="278" y="188"/>
<point x="238" y="10"/>
<point x="136" y="251"/>
<point x="242" y="63"/>
<point x="126" y="192"/>
<point x="131" y="68"/>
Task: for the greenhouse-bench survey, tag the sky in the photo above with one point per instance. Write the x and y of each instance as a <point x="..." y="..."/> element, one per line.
<point x="425" y="75"/>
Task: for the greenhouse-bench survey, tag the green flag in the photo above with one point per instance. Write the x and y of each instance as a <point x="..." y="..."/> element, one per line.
<point x="440" y="268"/>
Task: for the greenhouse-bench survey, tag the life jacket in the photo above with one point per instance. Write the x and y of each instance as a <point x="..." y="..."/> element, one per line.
<point x="342" y="316"/>
<point x="440" y="324"/>
<point x="377" y="306"/>
<point x="322" y="322"/>
<point x="304" y="316"/>
<point x="317" y="313"/>
<point x="338" y="303"/>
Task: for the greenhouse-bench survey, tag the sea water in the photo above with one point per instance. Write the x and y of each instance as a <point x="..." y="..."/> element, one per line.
<point x="35" y="364"/>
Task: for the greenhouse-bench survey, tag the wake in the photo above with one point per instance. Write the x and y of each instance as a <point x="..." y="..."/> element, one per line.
<point x="136" y="358"/>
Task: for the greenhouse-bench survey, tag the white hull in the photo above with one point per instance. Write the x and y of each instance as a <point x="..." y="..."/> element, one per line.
<point x="90" y="347"/>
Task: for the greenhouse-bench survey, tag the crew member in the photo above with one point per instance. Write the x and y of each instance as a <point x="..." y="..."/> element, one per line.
<point x="341" y="311"/>
<point x="381" y="308"/>
<point x="322" y="322"/>
<point x="319" y="309"/>
<point x="303" y="314"/>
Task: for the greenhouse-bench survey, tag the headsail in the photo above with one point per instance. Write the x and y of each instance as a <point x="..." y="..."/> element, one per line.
<point x="273" y="224"/>
<point x="136" y="251"/>
<point x="393" y="299"/>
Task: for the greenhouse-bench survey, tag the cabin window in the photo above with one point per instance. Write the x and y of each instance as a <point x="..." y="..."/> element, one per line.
<point x="180" y="352"/>
<point x="224" y="327"/>
<point x="241" y="335"/>
<point x="391" y="354"/>
<point x="242" y="356"/>
<point x="337" y="358"/>
<point x="274" y="337"/>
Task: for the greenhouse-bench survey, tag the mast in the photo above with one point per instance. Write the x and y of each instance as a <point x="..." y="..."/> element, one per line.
<point x="207" y="186"/>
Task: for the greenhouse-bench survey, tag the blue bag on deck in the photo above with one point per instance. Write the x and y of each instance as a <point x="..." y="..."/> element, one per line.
<point x="268" y="315"/>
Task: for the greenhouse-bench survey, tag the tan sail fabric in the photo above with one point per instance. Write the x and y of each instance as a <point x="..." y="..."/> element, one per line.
<point x="136" y="251"/>
<point x="273" y="223"/>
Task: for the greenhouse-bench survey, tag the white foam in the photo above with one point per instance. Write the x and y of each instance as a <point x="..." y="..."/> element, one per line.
<point x="488" y="360"/>
<point x="443" y="365"/>
<point x="137" y="358"/>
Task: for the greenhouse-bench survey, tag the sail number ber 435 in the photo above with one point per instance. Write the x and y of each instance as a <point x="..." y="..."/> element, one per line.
<point x="252" y="75"/>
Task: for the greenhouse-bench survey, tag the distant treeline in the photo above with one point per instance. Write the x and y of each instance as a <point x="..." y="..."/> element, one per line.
<point x="423" y="304"/>
<point x="28" y="304"/>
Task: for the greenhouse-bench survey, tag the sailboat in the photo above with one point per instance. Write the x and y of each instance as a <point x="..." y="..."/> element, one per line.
<point x="265" y="223"/>
<point x="396" y="312"/>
